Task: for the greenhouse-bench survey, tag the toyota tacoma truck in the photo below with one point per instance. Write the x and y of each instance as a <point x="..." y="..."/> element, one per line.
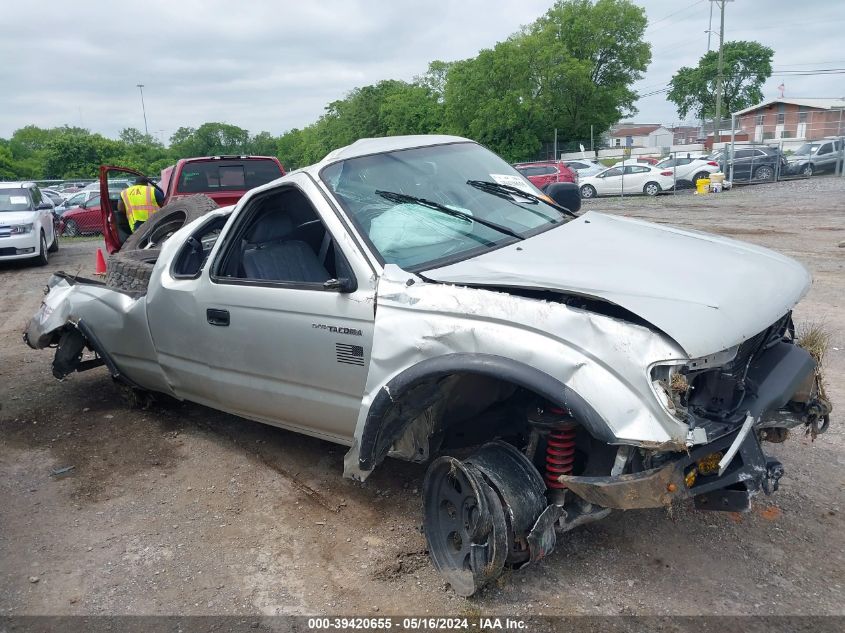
<point x="417" y="298"/>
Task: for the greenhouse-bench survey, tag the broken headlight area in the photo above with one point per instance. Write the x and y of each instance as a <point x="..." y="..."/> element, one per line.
<point x="768" y="376"/>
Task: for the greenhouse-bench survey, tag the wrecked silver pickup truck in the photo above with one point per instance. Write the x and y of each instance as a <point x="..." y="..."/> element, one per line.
<point x="416" y="297"/>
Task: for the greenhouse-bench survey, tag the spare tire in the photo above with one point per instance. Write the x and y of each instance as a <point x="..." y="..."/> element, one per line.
<point x="130" y="267"/>
<point x="167" y="220"/>
<point x="130" y="270"/>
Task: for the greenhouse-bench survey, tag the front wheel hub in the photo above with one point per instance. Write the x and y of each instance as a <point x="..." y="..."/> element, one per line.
<point x="464" y="525"/>
<point x="485" y="512"/>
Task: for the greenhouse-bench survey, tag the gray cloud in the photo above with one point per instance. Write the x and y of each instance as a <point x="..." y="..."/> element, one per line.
<point x="274" y="65"/>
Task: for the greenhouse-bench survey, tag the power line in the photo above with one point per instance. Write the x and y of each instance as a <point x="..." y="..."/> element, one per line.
<point x="833" y="61"/>
<point x="800" y="73"/>
<point x="666" y="17"/>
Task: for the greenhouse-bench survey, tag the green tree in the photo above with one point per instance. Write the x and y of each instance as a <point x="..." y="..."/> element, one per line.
<point x="263" y="144"/>
<point x="410" y="109"/>
<point x="570" y="69"/>
<point x="8" y="170"/>
<point x="142" y="152"/>
<point x="746" y="67"/>
<point x="209" y="139"/>
<point x="435" y="78"/>
<point x="73" y="155"/>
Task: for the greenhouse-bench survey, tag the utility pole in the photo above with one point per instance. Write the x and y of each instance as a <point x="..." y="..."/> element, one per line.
<point x="710" y="27"/>
<point x="718" y="118"/>
<point x="709" y="34"/>
<point x="143" y="108"/>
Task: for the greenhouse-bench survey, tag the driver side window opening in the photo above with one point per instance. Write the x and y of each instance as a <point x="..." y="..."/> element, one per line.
<point x="282" y="241"/>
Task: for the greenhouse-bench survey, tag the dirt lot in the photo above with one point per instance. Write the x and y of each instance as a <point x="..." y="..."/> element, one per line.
<point x="179" y="509"/>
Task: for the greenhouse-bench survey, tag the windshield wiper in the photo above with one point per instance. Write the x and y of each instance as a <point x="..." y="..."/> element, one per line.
<point x="404" y="198"/>
<point x="505" y="191"/>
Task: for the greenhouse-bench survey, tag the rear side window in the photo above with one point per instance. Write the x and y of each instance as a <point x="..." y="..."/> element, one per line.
<point x="15" y="199"/>
<point x="227" y="175"/>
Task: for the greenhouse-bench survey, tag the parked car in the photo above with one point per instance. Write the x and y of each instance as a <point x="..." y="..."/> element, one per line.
<point x="815" y="157"/>
<point x="416" y="297"/>
<point x="689" y="170"/>
<point x="76" y="200"/>
<point x="211" y="180"/>
<point x="585" y="167"/>
<point x="86" y="219"/>
<point x="541" y="175"/>
<point x="751" y="163"/>
<point x="640" y="160"/>
<point x="55" y="197"/>
<point x="628" y="179"/>
<point x="27" y="230"/>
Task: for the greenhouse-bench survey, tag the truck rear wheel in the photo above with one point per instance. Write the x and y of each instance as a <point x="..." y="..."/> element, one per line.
<point x="130" y="268"/>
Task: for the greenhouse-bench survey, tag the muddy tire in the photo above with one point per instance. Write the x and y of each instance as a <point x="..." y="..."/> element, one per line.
<point x="167" y="220"/>
<point x="130" y="270"/>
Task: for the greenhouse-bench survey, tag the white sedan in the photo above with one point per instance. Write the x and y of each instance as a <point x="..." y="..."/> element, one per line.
<point x="690" y="169"/>
<point x="630" y="179"/>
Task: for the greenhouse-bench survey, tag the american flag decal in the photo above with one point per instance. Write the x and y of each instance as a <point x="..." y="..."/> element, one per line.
<point x="350" y="354"/>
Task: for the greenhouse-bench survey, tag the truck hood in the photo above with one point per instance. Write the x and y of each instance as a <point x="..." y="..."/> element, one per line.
<point x="706" y="292"/>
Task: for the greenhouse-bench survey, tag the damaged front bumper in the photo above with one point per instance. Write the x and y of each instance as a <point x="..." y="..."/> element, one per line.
<point x="694" y="475"/>
<point x="724" y="473"/>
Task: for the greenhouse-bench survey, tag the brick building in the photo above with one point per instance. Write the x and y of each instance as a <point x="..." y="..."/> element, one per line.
<point x="793" y="119"/>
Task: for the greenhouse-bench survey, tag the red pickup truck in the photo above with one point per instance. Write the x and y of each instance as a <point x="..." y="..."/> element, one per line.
<point x="191" y="187"/>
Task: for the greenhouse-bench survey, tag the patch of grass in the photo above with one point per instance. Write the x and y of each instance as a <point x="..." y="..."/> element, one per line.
<point x="81" y="238"/>
<point x="815" y="338"/>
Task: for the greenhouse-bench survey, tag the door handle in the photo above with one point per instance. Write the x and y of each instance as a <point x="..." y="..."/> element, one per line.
<point x="217" y="317"/>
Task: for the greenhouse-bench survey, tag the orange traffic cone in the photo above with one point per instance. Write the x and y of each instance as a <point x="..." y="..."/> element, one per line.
<point x="101" y="263"/>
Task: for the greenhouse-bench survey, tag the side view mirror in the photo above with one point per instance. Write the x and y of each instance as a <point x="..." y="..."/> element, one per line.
<point x="44" y="206"/>
<point x="566" y="194"/>
<point x="341" y="284"/>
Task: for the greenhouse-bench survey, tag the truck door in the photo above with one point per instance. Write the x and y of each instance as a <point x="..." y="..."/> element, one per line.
<point x="115" y="227"/>
<point x="282" y="317"/>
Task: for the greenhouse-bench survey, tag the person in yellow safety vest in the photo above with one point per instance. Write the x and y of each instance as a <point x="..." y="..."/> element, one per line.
<point x="139" y="201"/>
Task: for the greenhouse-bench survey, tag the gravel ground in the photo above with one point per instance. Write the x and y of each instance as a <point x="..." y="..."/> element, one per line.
<point x="179" y="509"/>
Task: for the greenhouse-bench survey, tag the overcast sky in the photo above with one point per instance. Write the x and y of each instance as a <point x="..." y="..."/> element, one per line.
<point x="274" y="65"/>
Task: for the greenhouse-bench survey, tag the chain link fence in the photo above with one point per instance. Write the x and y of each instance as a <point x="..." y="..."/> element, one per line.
<point x="780" y="144"/>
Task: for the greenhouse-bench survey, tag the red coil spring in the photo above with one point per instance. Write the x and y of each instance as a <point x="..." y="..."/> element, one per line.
<point x="560" y="455"/>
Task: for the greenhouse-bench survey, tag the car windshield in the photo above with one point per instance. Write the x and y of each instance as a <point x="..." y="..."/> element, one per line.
<point x="75" y="200"/>
<point x="807" y="148"/>
<point x="15" y="199"/>
<point x="402" y="200"/>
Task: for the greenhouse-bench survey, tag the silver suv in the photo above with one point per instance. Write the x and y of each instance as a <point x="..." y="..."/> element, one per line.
<point x="816" y="157"/>
<point x="417" y="298"/>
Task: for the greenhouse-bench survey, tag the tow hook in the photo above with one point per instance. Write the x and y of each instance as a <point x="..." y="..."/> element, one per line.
<point x="817" y="416"/>
<point x="774" y="471"/>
